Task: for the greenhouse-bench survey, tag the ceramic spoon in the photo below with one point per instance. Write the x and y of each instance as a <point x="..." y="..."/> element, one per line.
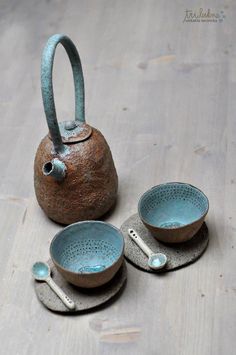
<point x="41" y="272"/>
<point x="156" y="261"/>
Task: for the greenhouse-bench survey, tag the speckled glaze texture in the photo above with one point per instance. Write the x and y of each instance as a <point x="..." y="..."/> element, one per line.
<point x="86" y="188"/>
<point x="88" y="254"/>
<point x="90" y="186"/>
<point x="178" y="255"/>
<point x="173" y="212"/>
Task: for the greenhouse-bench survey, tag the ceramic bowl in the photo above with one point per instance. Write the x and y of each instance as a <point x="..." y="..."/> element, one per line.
<point x="173" y="212"/>
<point x="88" y="254"/>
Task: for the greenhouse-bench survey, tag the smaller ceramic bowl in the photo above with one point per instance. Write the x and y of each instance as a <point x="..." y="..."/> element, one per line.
<point x="88" y="254"/>
<point x="173" y="212"/>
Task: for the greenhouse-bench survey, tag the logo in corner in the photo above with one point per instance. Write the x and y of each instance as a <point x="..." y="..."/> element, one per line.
<point x="204" y="15"/>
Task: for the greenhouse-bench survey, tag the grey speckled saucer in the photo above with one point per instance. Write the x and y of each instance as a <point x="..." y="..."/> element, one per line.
<point x="178" y="255"/>
<point x="85" y="299"/>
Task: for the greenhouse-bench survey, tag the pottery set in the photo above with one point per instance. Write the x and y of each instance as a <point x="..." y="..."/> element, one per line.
<point x="76" y="183"/>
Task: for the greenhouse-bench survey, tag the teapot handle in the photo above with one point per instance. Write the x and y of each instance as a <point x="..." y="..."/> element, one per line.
<point x="47" y="86"/>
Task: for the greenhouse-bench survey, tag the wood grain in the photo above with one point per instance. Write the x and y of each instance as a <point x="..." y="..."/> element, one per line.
<point x="163" y="94"/>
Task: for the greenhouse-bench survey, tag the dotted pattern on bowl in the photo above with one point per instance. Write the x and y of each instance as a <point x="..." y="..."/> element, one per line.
<point x="90" y="255"/>
<point x="169" y="198"/>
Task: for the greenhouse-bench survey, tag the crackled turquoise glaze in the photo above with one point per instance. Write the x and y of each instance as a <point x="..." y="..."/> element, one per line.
<point x="47" y="86"/>
<point x="172" y="205"/>
<point x="87" y="247"/>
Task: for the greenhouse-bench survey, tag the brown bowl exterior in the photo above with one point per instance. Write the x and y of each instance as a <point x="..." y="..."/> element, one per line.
<point x="90" y="280"/>
<point x="175" y="235"/>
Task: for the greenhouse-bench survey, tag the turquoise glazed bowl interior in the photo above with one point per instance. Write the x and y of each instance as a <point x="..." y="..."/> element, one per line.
<point x="172" y="206"/>
<point x="85" y="249"/>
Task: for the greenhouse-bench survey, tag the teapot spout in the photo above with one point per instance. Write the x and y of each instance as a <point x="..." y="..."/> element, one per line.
<point x="55" y="168"/>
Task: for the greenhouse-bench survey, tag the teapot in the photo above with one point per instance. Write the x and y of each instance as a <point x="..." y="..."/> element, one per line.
<point x="74" y="174"/>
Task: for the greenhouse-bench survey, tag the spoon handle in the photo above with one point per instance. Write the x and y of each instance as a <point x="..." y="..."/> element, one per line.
<point x="142" y="245"/>
<point x="65" y="299"/>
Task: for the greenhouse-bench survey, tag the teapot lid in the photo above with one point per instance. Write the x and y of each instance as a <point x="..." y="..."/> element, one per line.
<point x="74" y="131"/>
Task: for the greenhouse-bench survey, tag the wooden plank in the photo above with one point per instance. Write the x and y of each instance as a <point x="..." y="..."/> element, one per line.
<point x="163" y="94"/>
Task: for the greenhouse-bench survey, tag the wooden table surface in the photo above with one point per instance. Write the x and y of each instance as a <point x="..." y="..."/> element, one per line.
<point x="163" y="92"/>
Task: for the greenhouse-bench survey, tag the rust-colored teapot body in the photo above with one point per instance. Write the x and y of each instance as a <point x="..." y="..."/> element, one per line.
<point x="74" y="174"/>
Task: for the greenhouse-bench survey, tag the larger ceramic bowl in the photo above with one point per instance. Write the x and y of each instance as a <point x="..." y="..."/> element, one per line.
<point x="88" y="254"/>
<point x="173" y="212"/>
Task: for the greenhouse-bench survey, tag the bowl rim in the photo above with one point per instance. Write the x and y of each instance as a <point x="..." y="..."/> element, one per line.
<point x="171" y="183"/>
<point x="79" y="223"/>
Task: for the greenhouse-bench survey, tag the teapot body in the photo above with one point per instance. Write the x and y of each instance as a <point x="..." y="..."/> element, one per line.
<point x="89" y="188"/>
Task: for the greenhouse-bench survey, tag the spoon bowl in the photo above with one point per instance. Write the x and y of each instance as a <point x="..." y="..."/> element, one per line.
<point x="156" y="261"/>
<point x="41" y="272"/>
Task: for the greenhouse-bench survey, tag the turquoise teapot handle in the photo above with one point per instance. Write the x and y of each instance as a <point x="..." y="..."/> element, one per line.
<point x="47" y="86"/>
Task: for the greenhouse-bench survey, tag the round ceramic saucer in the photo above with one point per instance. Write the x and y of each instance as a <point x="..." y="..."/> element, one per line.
<point x="178" y="255"/>
<point x="85" y="299"/>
